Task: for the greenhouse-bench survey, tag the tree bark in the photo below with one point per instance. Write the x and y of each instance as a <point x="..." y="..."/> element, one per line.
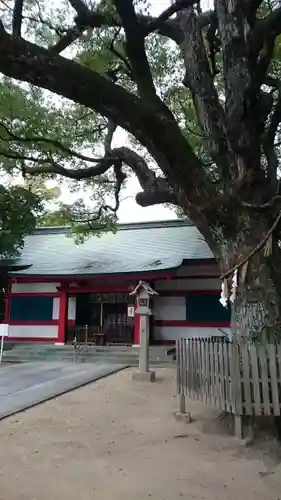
<point x="256" y="311"/>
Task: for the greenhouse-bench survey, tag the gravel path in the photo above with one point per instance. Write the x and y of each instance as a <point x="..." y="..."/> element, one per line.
<point x="119" y="440"/>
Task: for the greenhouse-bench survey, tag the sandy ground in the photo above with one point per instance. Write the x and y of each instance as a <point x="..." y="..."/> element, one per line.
<point x="119" y="440"/>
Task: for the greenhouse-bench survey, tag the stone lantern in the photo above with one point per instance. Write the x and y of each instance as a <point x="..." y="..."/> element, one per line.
<point x="143" y="293"/>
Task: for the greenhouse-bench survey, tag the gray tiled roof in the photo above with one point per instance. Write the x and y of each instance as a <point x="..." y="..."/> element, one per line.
<point x="142" y="247"/>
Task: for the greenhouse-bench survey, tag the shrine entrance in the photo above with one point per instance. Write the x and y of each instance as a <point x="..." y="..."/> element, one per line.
<point x="102" y="318"/>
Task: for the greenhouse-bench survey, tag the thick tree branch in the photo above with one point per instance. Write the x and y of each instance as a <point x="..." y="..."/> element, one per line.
<point x="204" y="94"/>
<point x="156" y="197"/>
<point x="152" y="125"/>
<point x="48" y="166"/>
<point x="264" y="59"/>
<point x="27" y="62"/>
<point x="262" y="44"/>
<point x="17" y="17"/>
<point x="270" y="26"/>
<point x="119" y="55"/>
<point x="84" y="19"/>
<point x="168" y="29"/>
<point x="157" y="132"/>
<point x="111" y="128"/>
<point x="80" y="7"/>
<point x="155" y="189"/>
<point x="135" y="48"/>
<point x="233" y="29"/>
<point x="170" y="11"/>
<point x="71" y="35"/>
<point x="253" y="7"/>
<point x="242" y="93"/>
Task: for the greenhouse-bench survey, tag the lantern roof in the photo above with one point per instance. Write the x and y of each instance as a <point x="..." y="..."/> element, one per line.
<point x="143" y="285"/>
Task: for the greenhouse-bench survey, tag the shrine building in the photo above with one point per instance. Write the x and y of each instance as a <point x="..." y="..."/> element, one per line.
<point x="59" y="290"/>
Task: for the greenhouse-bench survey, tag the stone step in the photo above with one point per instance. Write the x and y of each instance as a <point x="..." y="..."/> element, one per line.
<point x="58" y="354"/>
<point x="67" y="349"/>
<point x="72" y="353"/>
<point x="117" y="360"/>
<point x="84" y="353"/>
<point x="48" y="346"/>
<point x="88" y="352"/>
<point x="21" y="352"/>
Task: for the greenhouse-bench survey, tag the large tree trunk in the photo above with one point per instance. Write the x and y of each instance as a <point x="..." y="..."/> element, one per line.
<point x="256" y="311"/>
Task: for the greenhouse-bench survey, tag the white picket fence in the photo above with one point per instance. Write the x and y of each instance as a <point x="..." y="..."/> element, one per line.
<point x="241" y="379"/>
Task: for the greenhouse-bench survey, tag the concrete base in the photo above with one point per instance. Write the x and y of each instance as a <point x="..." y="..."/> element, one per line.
<point x="144" y="376"/>
<point x="183" y="417"/>
<point x="59" y="343"/>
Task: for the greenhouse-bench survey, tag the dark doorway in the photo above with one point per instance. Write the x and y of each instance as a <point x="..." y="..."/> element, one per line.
<point x="105" y="314"/>
<point x="82" y="309"/>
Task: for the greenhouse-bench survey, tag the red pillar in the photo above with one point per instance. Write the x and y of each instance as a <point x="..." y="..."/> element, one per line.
<point x="63" y="303"/>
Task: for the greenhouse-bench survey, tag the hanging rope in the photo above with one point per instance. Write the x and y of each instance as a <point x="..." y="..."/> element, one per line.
<point x="261" y="244"/>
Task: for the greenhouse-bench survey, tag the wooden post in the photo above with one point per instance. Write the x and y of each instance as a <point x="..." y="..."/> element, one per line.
<point x="182" y="380"/>
<point x="182" y="403"/>
<point x="238" y="426"/>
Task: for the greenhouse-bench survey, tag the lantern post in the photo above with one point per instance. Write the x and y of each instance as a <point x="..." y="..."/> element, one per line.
<point x="143" y="293"/>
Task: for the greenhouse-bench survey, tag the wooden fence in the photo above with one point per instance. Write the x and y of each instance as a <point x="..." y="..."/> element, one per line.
<point x="241" y="379"/>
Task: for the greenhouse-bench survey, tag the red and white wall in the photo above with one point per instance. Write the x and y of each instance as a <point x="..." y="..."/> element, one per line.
<point x="45" y="330"/>
<point x="170" y="308"/>
<point x="169" y="311"/>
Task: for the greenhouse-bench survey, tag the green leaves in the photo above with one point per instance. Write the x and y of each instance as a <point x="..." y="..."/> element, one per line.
<point x="43" y="131"/>
<point x="36" y="130"/>
<point x="18" y="209"/>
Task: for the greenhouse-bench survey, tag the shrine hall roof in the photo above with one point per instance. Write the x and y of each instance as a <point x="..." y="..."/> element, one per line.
<point x="134" y="248"/>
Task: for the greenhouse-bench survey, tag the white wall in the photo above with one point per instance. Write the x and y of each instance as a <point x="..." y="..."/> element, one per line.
<point x="33" y="331"/>
<point x="34" y="287"/>
<point x="56" y="308"/>
<point x="71" y="308"/>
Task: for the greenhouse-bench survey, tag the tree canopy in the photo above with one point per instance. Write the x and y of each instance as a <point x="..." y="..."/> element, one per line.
<point x="198" y="91"/>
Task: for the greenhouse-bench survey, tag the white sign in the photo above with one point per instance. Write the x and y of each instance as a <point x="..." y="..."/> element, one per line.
<point x="4" y="330"/>
<point x="3" y="333"/>
<point x="131" y="311"/>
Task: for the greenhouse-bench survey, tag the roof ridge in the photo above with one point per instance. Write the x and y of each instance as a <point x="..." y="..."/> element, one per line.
<point x="121" y="227"/>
